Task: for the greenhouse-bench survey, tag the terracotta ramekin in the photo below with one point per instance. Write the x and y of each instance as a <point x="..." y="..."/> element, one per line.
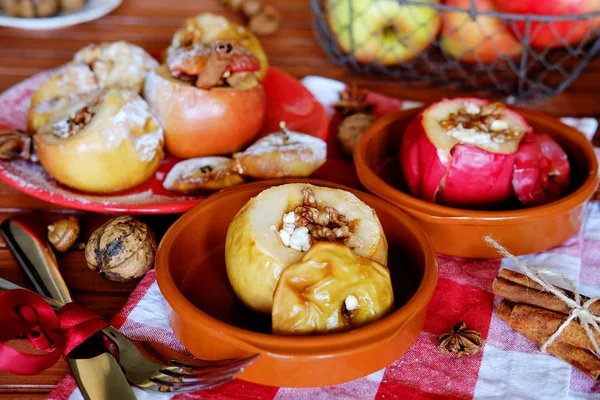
<point x="213" y="324"/>
<point x="460" y="232"/>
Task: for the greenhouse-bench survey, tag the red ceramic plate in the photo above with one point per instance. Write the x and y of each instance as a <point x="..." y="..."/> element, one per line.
<point x="287" y="101"/>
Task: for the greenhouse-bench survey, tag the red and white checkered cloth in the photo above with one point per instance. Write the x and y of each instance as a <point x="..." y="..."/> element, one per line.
<point x="508" y="367"/>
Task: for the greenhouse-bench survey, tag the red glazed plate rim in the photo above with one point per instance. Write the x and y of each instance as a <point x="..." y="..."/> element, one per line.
<point x="426" y="210"/>
<point x="292" y="345"/>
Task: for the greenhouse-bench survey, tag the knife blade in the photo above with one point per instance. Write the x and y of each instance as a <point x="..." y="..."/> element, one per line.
<point x="98" y="374"/>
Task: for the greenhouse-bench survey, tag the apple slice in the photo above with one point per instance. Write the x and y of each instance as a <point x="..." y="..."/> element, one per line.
<point x="274" y="230"/>
<point x="203" y="174"/>
<point x="541" y="171"/>
<point x="330" y="289"/>
<point x="460" y="152"/>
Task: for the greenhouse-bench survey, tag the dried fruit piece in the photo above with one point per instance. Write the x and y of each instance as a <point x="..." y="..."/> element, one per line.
<point x="352" y="128"/>
<point x="15" y="144"/>
<point x="282" y="154"/>
<point x="460" y="341"/>
<point x="63" y="233"/>
<point x="330" y="289"/>
<point x="255" y="254"/>
<point x="202" y="174"/>
<point x="121" y="250"/>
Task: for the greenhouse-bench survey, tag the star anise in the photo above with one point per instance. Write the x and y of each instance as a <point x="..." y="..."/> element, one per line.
<point x="353" y="101"/>
<point x="461" y="341"/>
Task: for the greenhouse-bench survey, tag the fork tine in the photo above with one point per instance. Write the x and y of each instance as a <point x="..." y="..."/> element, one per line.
<point x="188" y="389"/>
<point x="200" y="365"/>
<point x="177" y="372"/>
<point x="199" y="383"/>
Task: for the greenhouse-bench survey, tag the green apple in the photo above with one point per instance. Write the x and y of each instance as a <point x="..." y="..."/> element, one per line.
<point x="382" y="31"/>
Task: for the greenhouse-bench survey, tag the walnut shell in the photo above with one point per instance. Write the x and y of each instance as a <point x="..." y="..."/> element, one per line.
<point x="121" y="250"/>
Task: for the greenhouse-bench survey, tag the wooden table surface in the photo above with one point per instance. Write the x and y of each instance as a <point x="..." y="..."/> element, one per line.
<point x="150" y="23"/>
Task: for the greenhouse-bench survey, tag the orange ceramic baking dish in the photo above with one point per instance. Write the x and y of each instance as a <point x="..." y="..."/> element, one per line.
<point x="213" y="324"/>
<point x="460" y="232"/>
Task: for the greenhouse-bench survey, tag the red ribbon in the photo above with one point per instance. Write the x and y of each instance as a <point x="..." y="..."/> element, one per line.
<point x="25" y="313"/>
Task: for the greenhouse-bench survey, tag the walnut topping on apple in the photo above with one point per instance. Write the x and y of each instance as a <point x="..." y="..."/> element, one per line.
<point x="475" y="124"/>
<point x="77" y="121"/>
<point x="306" y="224"/>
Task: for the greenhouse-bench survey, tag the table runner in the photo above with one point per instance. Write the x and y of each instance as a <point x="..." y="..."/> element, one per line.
<point x="507" y="367"/>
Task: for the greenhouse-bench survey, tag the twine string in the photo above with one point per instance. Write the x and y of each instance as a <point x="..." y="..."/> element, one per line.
<point x="579" y="310"/>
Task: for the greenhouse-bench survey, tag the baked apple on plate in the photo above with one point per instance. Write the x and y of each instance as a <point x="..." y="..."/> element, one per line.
<point x="469" y="152"/>
<point x="276" y="228"/>
<point x="208" y="99"/>
<point x="97" y="66"/>
<point x="109" y="143"/>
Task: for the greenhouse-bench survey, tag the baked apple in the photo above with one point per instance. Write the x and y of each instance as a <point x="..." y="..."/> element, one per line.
<point x="282" y="154"/>
<point x="60" y="92"/>
<point x="382" y="31"/>
<point x="97" y="66"/>
<point x="207" y="99"/>
<point x="274" y="230"/>
<point x="461" y="152"/>
<point x="207" y="27"/>
<point x="117" y="64"/>
<point x="330" y="289"/>
<point x="542" y="170"/>
<point x="204" y="174"/>
<point x="484" y="39"/>
<point x="112" y="143"/>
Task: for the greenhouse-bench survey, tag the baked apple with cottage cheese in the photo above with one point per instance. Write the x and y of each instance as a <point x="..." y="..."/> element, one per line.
<point x="278" y="226"/>
<point x="207" y="99"/>
<point x="203" y="174"/>
<point x="461" y="152"/>
<point x="97" y="66"/>
<point x="330" y="289"/>
<point x="469" y="152"/>
<point x="110" y="143"/>
<point x="208" y="27"/>
<point x="282" y="154"/>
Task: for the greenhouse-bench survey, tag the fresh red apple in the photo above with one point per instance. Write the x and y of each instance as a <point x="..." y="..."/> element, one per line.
<point x="485" y="39"/>
<point x="542" y="171"/>
<point x="461" y="152"/>
<point x="555" y="33"/>
<point x="382" y="31"/>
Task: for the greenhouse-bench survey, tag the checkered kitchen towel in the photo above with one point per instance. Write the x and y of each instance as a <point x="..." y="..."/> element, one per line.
<point x="508" y="367"/>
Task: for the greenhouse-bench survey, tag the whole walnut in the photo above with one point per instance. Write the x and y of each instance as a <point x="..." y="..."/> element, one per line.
<point x="121" y="250"/>
<point x="30" y="8"/>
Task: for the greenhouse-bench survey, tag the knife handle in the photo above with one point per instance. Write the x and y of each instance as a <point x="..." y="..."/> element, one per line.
<point x="6" y="286"/>
<point x="36" y="258"/>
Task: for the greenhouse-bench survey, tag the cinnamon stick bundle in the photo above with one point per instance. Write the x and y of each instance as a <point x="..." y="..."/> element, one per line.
<point x="537" y="315"/>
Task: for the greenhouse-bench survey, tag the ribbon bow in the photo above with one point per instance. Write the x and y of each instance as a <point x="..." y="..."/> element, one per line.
<point x="25" y="313"/>
<point x="580" y="309"/>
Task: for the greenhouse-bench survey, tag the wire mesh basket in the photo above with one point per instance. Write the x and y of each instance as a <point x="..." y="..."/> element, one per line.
<point x="467" y="44"/>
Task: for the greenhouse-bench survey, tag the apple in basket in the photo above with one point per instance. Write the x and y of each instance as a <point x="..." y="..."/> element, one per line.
<point x="555" y="33"/>
<point x="382" y="31"/>
<point x="469" y="152"/>
<point x="485" y="39"/>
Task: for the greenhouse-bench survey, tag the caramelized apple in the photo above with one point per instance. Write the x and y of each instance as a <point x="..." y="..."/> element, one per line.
<point x="330" y="289"/>
<point x="274" y="230"/>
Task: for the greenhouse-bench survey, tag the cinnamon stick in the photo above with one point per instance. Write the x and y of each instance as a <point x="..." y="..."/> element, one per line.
<point x="519" y="317"/>
<point x="519" y="288"/>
